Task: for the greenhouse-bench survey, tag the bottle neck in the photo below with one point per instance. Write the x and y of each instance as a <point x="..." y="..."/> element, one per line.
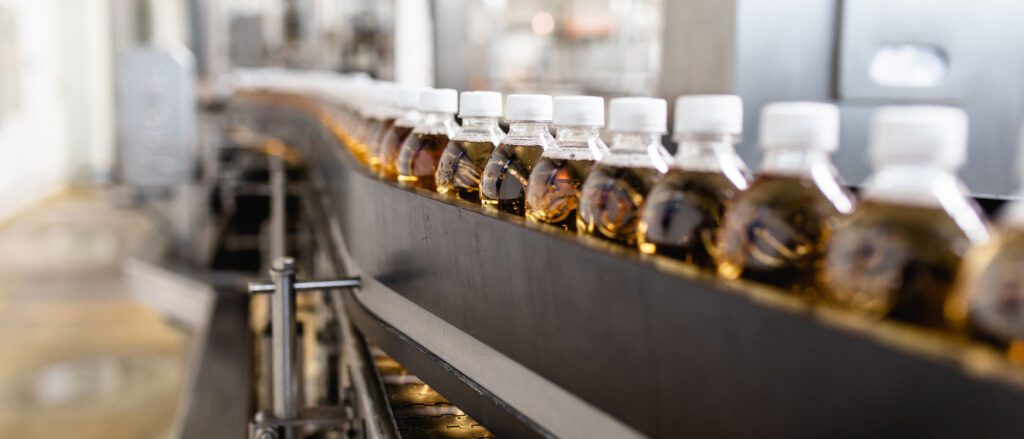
<point x="365" y="111"/>
<point x="529" y="133"/>
<point x="390" y="112"/>
<point x="577" y="143"/>
<point x="695" y="145"/>
<point x="410" y="117"/>
<point x="577" y="134"/>
<point x="712" y="153"/>
<point x="634" y="141"/>
<point x="527" y="128"/>
<point x="930" y="186"/>
<point x="437" y="122"/>
<point x="480" y="129"/>
<point x="913" y="183"/>
<point x="437" y="115"/>
<point x="814" y="166"/>
<point x="633" y="149"/>
<point x="473" y="122"/>
<point x="797" y="162"/>
<point x="1012" y="214"/>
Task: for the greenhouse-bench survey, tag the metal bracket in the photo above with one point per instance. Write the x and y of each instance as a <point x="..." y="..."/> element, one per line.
<point x="264" y="426"/>
<point x="286" y="417"/>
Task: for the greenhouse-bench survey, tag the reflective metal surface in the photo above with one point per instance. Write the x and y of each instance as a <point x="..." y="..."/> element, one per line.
<point x="80" y="355"/>
<point x="418" y="409"/>
<point x="308" y="285"/>
<point x="746" y="375"/>
<point x="283" y="327"/>
<point x="156" y="116"/>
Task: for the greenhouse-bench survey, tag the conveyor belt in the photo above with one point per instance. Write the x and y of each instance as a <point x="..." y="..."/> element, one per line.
<point x="652" y="345"/>
<point x="421" y="412"/>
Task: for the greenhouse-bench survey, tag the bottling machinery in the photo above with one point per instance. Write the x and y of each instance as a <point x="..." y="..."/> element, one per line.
<point x="381" y="318"/>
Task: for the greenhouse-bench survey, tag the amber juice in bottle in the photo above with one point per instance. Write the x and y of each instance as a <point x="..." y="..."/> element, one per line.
<point x="899" y="253"/>
<point x="421" y="151"/>
<point x="348" y="117"/>
<point x="367" y="121"/>
<point x="684" y="211"/>
<point x="776" y="232"/>
<point x="988" y="297"/>
<point x="553" y="190"/>
<point x="896" y="259"/>
<point x="376" y="142"/>
<point x="613" y="194"/>
<point x="506" y="175"/>
<point x="391" y="141"/>
<point x="463" y="160"/>
<point x="386" y="112"/>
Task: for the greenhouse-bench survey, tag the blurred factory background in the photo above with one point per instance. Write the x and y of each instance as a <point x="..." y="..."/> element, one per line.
<point x="103" y="100"/>
<point x="58" y="60"/>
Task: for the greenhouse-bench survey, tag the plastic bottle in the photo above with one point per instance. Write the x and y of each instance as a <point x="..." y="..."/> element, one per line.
<point x="684" y="211"/>
<point x="421" y="150"/>
<point x="613" y="194"/>
<point x="386" y="111"/>
<point x="553" y="192"/>
<point x="899" y="253"/>
<point x="463" y="160"/>
<point x="989" y="294"/>
<point x="505" y="177"/>
<point x="391" y="142"/>
<point x="777" y="231"/>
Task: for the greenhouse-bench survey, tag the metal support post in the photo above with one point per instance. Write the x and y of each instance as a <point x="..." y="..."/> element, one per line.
<point x="286" y="414"/>
<point x="283" y="333"/>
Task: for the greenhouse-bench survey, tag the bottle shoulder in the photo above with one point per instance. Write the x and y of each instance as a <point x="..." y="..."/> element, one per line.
<point x="529" y="151"/>
<point x="478" y="134"/>
<point x="682" y="180"/>
<point x="407" y="122"/>
<point x="824" y="195"/>
<point x="654" y="157"/>
<point x="640" y="176"/>
<point x="928" y="190"/>
<point x="907" y="218"/>
<point x="1011" y="216"/>
<point x="553" y="169"/>
<point x="1009" y="240"/>
<point x="430" y="125"/>
<point x="543" y="140"/>
<point x="564" y="150"/>
<point x="907" y="232"/>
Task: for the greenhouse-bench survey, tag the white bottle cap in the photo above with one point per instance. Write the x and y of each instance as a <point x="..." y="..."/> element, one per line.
<point x="361" y="77"/>
<point x="528" y="107"/>
<point x="385" y="93"/>
<point x="362" y="97"/>
<point x="640" y="115"/>
<point x="582" y="111"/>
<point x="409" y="97"/>
<point x="709" y="114"/>
<point x="442" y="100"/>
<point x="480" y="104"/>
<point x="919" y="134"/>
<point x="800" y="125"/>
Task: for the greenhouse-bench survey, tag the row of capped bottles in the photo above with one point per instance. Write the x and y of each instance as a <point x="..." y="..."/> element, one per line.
<point x="915" y="247"/>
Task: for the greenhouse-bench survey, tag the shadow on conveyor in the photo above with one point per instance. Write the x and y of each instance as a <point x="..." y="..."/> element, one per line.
<point x="419" y="411"/>
<point x="240" y="205"/>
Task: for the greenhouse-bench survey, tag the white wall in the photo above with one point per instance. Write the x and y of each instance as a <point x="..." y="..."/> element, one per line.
<point x="62" y="127"/>
<point x="33" y="154"/>
<point x="86" y="64"/>
<point x="414" y="48"/>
